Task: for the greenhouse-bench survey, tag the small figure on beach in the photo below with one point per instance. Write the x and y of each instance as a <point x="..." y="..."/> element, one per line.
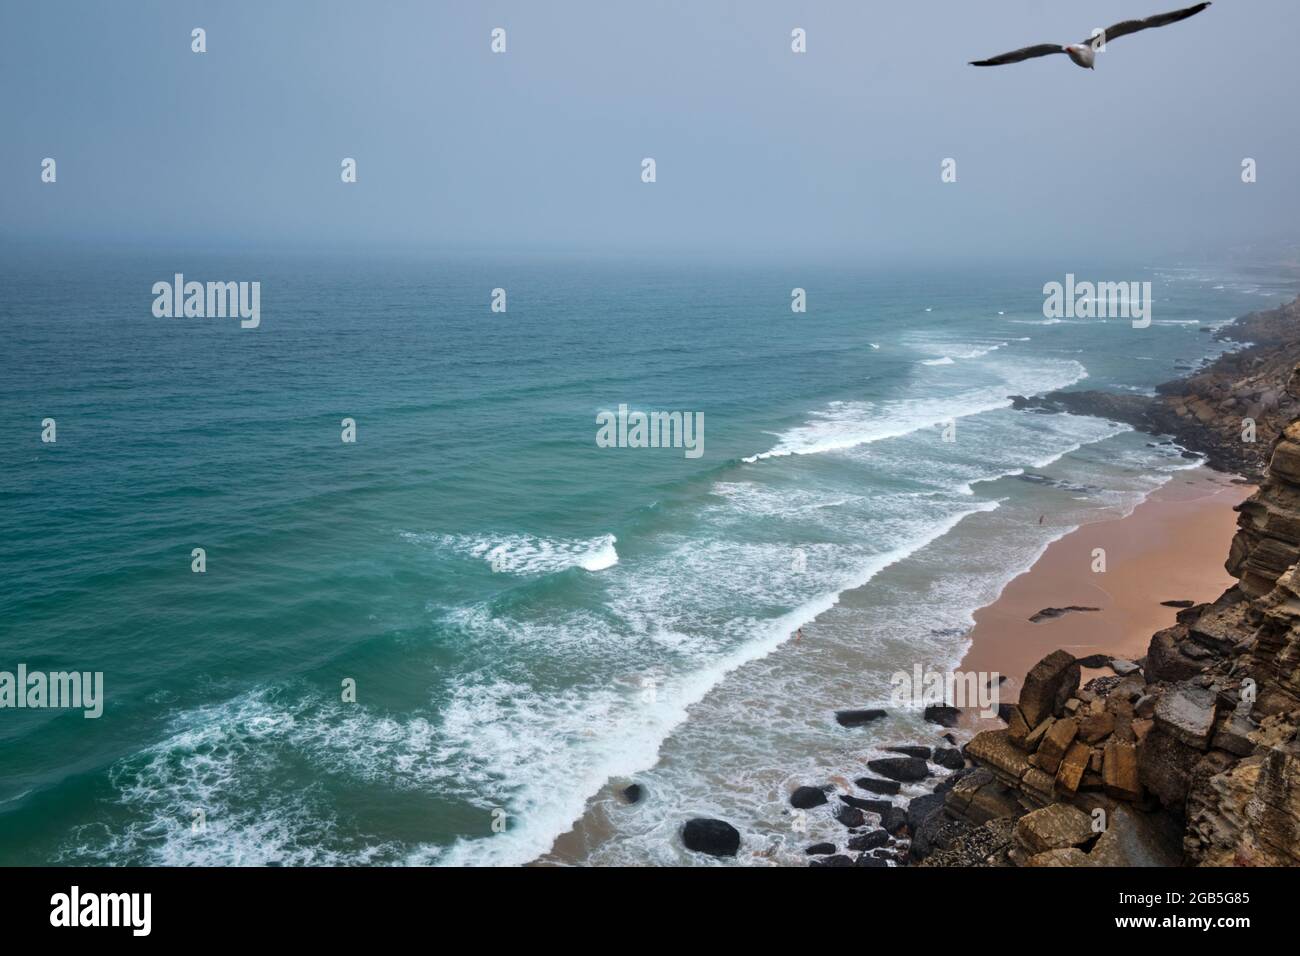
<point x="1040" y="518"/>
<point x="798" y="635"/>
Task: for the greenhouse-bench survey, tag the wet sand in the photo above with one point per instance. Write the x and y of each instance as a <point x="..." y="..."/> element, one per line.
<point x="1171" y="547"/>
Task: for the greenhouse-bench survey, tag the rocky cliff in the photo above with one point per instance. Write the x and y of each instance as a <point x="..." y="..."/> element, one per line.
<point x="1188" y="756"/>
<point x="1210" y="410"/>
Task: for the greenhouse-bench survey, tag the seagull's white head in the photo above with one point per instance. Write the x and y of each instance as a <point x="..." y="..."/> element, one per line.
<point x="1082" y="54"/>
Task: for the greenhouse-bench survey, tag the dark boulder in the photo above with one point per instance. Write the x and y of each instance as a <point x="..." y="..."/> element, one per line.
<point x="1049" y="613"/>
<point x="838" y="859"/>
<point x="870" y="806"/>
<point x="857" y="718"/>
<point x="633" y="793"/>
<point x="909" y="751"/>
<point x="850" y="816"/>
<point x="805" y="798"/>
<point x="894" y="821"/>
<point x="949" y="758"/>
<point x="869" y="841"/>
<point x="942" y="714"/>
<point x="867" y="859"/>
<point x="906" y="769"/>
<point x="938" y="831"/>
<point x="1165" y="658"/>
<point x="874" y="785"/>
<point x="715" y="837"/>
<point x="1094" y="661"/>
<point x="820" y="849"/>
<point x="922" y="808"/>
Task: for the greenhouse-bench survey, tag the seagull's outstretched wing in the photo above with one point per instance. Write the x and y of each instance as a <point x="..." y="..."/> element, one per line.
<point x="1015" y="56"/>
<point x="1124" y="28"/>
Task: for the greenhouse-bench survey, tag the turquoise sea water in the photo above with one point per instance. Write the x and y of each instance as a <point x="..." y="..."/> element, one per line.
<point x="639" y="599"/>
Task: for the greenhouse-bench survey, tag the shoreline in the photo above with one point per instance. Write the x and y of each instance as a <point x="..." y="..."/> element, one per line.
<point x="1169" y="548"/>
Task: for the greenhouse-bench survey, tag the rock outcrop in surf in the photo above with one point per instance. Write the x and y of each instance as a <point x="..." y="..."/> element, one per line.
<point x="1227" y="411"/>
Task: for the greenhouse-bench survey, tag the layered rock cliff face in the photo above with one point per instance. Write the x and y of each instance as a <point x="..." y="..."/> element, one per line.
<point x="1188" y="756"/>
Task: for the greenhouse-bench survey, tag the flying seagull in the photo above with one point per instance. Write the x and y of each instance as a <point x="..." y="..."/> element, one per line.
<point x="1085" y="54"/>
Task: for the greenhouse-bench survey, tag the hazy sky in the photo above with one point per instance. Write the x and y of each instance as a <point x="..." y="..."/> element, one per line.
<point x="758" y="148"/>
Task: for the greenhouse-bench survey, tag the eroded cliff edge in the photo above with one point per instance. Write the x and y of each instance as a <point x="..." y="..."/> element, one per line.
<point x="1189" y="755"/>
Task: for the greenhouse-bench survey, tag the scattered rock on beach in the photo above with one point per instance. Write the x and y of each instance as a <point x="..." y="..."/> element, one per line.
<point x="1182" y="603"/>
<point x="857" y="718"/>
<point x="922" y="752"/>
<point x="870" y="806"/>
<point x="805" y="798"/>
<point x="633" y="793"/>
<point x="906" y="769"/>
<point x="869" y="841"/>
<point x="850" y="816"/>
<point x="942" y="714"/>
<point x="1094" y="661"/>
<point x="715" y="837"/>
<point x="1048" y="613"/>
<point x="894" y="821"/>
<point x="949" y="758"/>
<point x="820" y="849"/>
<point x="874" y="785"/>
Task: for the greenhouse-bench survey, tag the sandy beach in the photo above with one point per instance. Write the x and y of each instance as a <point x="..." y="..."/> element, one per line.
<point x="1170" y="548"/>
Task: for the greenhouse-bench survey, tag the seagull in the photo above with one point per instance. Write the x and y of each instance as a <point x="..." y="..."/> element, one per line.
<point x="1085" y="54"/>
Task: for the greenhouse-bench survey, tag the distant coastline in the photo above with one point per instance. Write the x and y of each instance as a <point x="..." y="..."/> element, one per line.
<point x="1206" y="411"/>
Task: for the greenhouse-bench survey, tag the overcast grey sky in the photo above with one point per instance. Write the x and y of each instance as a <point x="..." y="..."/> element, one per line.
<point x="758" y="148"/>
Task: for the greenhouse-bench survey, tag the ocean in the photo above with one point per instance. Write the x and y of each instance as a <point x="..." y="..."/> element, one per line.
<point x="530" y="621"/>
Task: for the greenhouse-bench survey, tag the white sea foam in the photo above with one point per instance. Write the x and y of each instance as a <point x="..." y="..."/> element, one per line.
<point x="225" y="760"/>
<point x="1075" y="446"/>
<point x="946" y="350"/>
<point x="528" y="554"/>
<point x="756" y="500"/>
<point x="607" y="734"/>
<point x="843" y="425"/>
